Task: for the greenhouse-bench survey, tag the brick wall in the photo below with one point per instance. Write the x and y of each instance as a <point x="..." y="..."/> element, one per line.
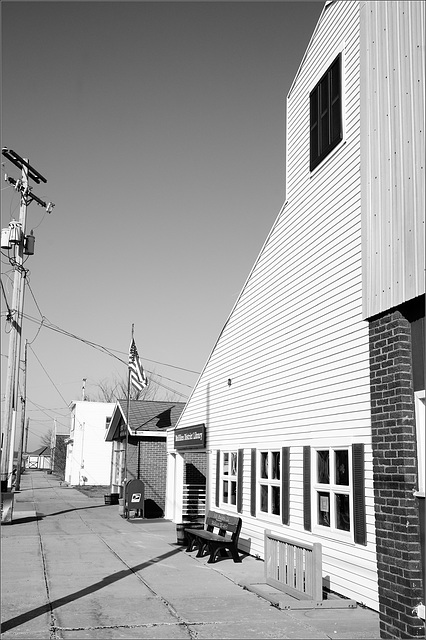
<point x="195" y="468"/>
<point x="395" y="477"/>
<point x="147" y="461"/>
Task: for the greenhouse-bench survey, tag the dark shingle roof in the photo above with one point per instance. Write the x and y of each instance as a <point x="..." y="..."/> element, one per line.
<point x="147" y="415"/>
<point x="42" y="451"/>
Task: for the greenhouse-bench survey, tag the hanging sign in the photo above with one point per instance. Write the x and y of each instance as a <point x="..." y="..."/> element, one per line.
<point x="191" y="437"/>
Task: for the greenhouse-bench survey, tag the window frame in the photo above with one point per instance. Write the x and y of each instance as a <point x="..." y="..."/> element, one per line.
<point x="229" y="478"/>
<point x="270" y="483"/>
<point x="325" y="149"/>
<point x="333" y="489"/>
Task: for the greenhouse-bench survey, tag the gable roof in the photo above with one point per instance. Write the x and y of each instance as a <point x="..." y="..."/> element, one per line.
<point x="41" y="451"/>
<point x="144" y="415"/>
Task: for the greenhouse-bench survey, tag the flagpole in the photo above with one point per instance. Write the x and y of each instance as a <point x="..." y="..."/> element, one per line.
<point x="127" y="419"/>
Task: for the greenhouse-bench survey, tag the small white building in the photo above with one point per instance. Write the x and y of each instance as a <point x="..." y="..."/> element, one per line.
<point x="88" y="459"/>
<point x="39" y="459"/>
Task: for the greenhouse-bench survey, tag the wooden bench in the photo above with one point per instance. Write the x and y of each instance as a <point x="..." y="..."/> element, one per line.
<point x="215" y="542"/>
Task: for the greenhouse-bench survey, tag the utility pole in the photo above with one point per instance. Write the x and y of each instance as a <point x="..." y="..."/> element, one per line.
<point x="27" y="428"/>
<point x="21" y="439"/>
<point x="15" y="240"/>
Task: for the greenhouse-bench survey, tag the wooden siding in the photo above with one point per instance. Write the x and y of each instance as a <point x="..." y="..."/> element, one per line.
<point x="295" y="345"/>
<point x="393" y="153"/>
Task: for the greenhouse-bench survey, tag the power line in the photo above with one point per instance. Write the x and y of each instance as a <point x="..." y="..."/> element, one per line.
<point x="48" y="375"/>
<point x="48" y="325"/>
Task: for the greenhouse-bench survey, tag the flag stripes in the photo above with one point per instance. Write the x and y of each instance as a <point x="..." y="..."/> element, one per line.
<point x="138" y="378"/>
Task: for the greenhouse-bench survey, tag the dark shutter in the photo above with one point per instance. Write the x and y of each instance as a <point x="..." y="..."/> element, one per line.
<point x="253" y="483"/>
<point x="217" y="477"/>
<point x="285" y="485"/>
<point x="314" y="127"/>
<point x="240" y="464"/>
<point x="358" y="481"/>
<point x="307" y="488"/>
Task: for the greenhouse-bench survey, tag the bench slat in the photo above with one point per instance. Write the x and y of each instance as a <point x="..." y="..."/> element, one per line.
<point x="225" y="524"/>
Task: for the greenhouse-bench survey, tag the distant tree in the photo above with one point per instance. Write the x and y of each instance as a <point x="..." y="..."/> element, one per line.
<point x="46" y="438"/>
<point x="116" y="389"/>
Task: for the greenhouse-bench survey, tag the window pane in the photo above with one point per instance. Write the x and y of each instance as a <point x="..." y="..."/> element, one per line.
<point x="324" y="509"/>
<point x="233" y="464"/>
<point x="276" y="502"/>
<point x="323" y="463"/>
<point x="343" y="520"/>
<point x="225" y="464"/>
<point x="263" y="498"/>
<point x="225" y="491"/>
<point x="233" y="499"/>
<point x="263" y="465"/>
<point x="342" y="467"/>
<point x="275" y="471"/>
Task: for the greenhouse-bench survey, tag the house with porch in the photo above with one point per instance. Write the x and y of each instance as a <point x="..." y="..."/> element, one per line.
<point x="310" y="407"/>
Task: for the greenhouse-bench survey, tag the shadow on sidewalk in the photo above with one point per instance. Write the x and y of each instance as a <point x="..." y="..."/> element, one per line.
<point x="51" y="606"/>
<point x="41" y="516"/>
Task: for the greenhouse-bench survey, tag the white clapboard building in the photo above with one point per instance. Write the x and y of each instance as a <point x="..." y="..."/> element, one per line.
<point x="280" y="420"/>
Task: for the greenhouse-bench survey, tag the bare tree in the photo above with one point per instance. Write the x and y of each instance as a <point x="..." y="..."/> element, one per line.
<point x="111" y="390"/>
<point x="46" y="438"/>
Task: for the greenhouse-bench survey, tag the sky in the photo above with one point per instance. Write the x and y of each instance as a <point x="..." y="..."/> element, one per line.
<point x="160" y="128"/>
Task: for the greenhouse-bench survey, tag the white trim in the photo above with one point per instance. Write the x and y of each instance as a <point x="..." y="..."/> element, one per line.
<point x="148" y="434"/>
<point x="331" y="488"/>
<point x="419" y="403"/>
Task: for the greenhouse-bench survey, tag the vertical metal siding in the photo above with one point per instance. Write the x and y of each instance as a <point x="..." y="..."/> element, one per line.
<point x="392" y="153"/>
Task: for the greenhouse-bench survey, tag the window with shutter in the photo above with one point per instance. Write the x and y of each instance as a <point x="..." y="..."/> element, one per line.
<point x="240" y="464"/>
<point x="326" y="128"/>
<point x="217" y="497"/>
<point x="307" y="488"/>
<point x="336" y="495"/>
<point x="269" y="481"/>
<point x="229" y="474"/>
<point x="285" y="485"/>
<point x="253" y="483"/>
<point x="360" y="525"/>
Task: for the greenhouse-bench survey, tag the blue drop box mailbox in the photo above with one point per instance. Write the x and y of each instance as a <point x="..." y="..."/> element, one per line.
<point x="134" y="498"/>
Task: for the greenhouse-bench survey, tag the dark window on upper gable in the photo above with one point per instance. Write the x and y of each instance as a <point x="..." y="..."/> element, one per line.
<point x="326" y="113"/>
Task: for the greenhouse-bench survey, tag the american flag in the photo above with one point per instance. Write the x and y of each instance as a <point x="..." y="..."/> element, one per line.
<point x="137" y="375"/>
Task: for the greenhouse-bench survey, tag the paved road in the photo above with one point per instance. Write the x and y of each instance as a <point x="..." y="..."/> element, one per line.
<point x="73" y="568"/>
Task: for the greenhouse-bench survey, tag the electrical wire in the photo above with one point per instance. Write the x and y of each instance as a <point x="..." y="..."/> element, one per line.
<point x="48" y="375"/>
<point x="48" y="325"/>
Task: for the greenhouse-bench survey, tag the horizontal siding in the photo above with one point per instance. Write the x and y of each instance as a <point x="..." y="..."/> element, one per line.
<point x="295" y="346"/>
<point x="393" y="153"/>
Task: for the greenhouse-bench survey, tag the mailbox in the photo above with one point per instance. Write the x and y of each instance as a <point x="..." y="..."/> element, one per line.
<point x="134" y="497"/>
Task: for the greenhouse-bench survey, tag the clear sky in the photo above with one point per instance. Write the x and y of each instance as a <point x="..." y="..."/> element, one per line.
<point x="160" y="127"/>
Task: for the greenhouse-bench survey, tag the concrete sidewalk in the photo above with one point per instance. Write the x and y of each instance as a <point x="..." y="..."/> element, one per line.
<point x="73" y="568"/>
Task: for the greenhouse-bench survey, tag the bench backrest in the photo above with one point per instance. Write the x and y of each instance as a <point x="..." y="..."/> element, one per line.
<point x="224" y="522"/>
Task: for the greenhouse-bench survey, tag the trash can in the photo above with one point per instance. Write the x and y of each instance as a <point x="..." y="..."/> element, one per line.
<point x="180" y="530"/>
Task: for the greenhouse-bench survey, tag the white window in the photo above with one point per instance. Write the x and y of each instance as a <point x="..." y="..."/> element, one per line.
<point x="270" y="482"/>
<point x="229" y="477"/>
<point x="332" y="506"/>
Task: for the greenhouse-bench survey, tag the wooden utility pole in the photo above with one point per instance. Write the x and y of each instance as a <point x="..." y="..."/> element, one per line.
<point x="12" y="380"/>
<point x="23" y="406"/>
<point x="19" y="244"/>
